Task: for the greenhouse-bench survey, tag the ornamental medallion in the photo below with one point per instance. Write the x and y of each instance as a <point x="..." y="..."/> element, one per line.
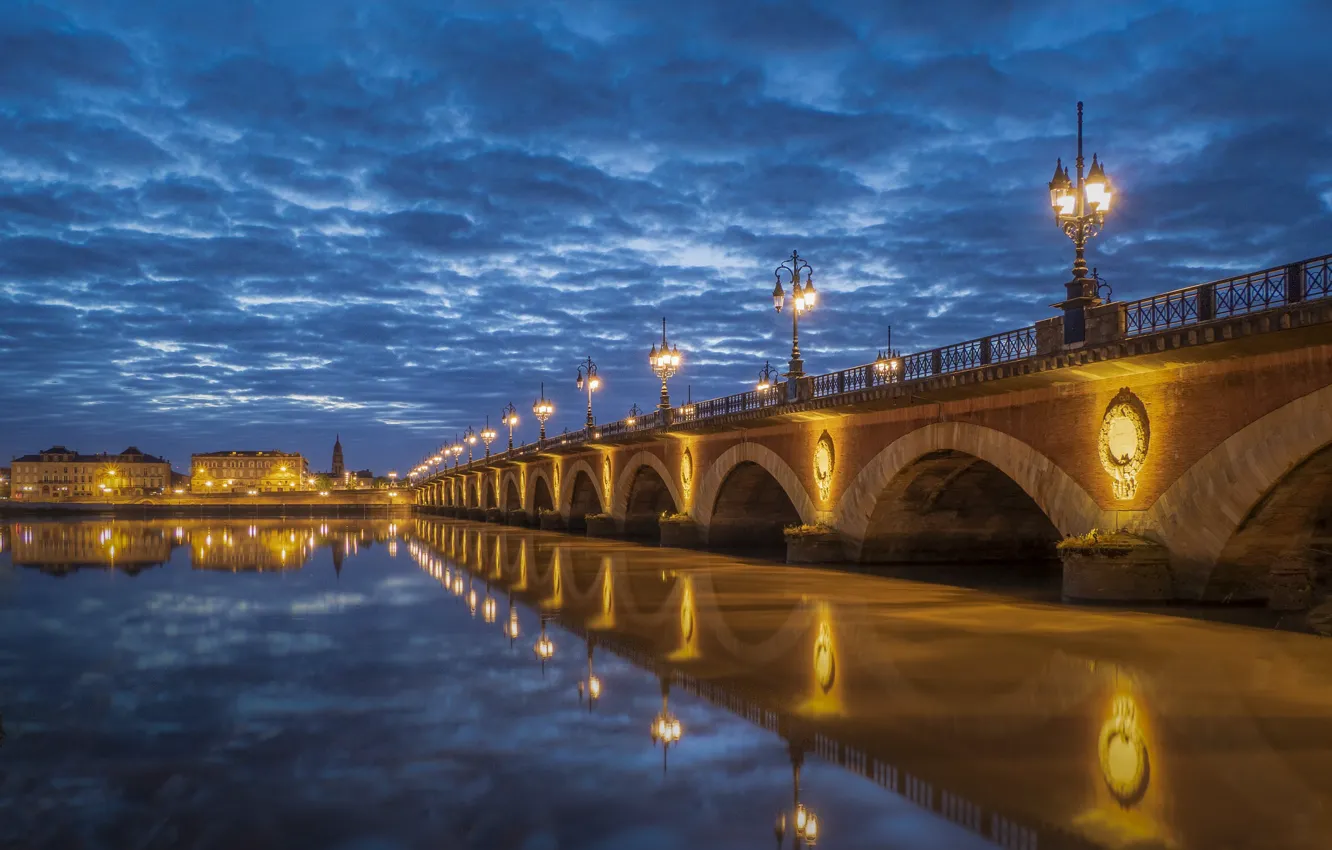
<point x="1123" y="442"/>
<point x="824" y="462"/>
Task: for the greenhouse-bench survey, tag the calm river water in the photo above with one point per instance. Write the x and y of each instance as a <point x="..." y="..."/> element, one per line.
<point x="358" y="684"/>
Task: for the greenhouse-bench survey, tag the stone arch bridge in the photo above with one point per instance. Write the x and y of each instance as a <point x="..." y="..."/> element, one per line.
<point x="1196" y="424"/>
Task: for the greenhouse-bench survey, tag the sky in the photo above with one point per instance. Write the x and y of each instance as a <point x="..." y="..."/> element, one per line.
<point x="253" y="225"/>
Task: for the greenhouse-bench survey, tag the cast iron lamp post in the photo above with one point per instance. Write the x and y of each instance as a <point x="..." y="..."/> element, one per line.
<point x="632" y="419"/>
<point x="488" y="435"/>
<point x="457" y="449"/>
<point x="665" y="363"/>
<point x="887" y="364"/>
<point x="765" y="377"/>
<point x="469" y="437"/>
<point x="587" y="377"/>
<point x="542" y="410"/>
<point x="802" y="301"/>
<point x="1079" y="210"/>
<point x="509" y="415"/>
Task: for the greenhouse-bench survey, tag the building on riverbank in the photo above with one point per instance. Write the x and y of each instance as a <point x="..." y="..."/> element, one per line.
<point x="246" y="471"/>
<point x="4" y="482"/>
<point x="60" y="474"/>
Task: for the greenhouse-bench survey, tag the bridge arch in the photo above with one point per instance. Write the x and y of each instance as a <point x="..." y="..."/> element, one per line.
<point x="511" y="498"/>
<point x="644" y="488"/>
<point x="1237" y="490"/>
<point x="540" y="495"/>
<point x="739" y="483"/>
<point x="491" y="499"/>
<point x="581" y="494"/>
<point x="959" y="448"/>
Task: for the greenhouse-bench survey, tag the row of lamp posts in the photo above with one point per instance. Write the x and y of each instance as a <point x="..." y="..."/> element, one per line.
<point x="1080" y="204"/>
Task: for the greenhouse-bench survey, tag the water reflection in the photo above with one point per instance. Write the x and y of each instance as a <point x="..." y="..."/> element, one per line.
<point x="61" y="548"/>
<point x="1026" y="725"/>
<point x="1023" y="723"/>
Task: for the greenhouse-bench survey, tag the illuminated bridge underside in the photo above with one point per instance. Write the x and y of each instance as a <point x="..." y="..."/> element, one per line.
<point x="1227" y="486"/>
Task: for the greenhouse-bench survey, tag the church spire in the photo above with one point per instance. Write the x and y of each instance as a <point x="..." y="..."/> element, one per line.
<point x="337" y="456"/>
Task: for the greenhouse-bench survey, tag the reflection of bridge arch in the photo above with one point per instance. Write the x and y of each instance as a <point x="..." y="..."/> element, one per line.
<point x="1070" y="509"/>
<point x="1225" y="490"/>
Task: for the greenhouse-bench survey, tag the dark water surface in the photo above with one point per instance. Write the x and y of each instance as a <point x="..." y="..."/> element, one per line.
<point x="347" y="684"/>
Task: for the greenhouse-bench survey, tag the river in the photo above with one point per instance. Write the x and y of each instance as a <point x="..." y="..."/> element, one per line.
<point x="368" y="684"/>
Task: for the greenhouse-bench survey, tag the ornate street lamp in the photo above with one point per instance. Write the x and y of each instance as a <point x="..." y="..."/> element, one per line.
<point x="1079" y="210"/>
<point x="888" y="363"/>
<point x="802" y="301"/>
<point x="542" y="410"/>
<point x="765" y="378"/>
<point x="665" y="726"/>
<point x="687" y="409"/>
<point x="509" y="416"/>
<point x="587" y="377"/>
<point x="469" y="437"/>
<point x="488" y="435"/>
<point x="664" y="363"/>
<point x="457" y="449"/>
<point x="632" y="419"/>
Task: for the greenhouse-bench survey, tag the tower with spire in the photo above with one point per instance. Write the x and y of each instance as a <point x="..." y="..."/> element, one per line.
<point x="338" y="468"/>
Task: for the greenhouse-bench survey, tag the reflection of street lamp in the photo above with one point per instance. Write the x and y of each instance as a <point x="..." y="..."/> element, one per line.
<point x="542" y="410"/>
<point x="544" y="647"/>
<point x="511" y="627"/>
<point x="887" y="363"/>
<point x="806" y="822"/>
<point x="591" y="381"/>
<point x="509" y="416"/>
<point x="591" y="686"/>
<point x="488" y="435"/>
<point x="664" y="364"/>
<point x="802" y="301"/>
<point x="665" y="726"/>
<point x="1079" y="211"/>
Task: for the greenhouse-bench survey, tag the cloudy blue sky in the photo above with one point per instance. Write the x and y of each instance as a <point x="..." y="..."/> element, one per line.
<point x="253" y="225"/>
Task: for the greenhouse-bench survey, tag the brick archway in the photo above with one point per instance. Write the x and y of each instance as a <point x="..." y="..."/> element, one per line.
<point x="624" y="483"/>
<point x="570" y="478"/>
<point x="710" y="484"/>
<point x="1199" y="514"/>
<point x="535" y="474"/>
<point x="509" y="479"/>
<point x="1068" y="506"/>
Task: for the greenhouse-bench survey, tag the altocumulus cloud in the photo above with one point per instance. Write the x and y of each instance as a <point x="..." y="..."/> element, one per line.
<point x="255" y="224"/>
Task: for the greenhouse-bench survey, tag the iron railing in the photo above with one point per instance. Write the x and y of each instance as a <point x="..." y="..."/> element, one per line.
<point x="1309" y="280"/>
<point x="973" y="354"/>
